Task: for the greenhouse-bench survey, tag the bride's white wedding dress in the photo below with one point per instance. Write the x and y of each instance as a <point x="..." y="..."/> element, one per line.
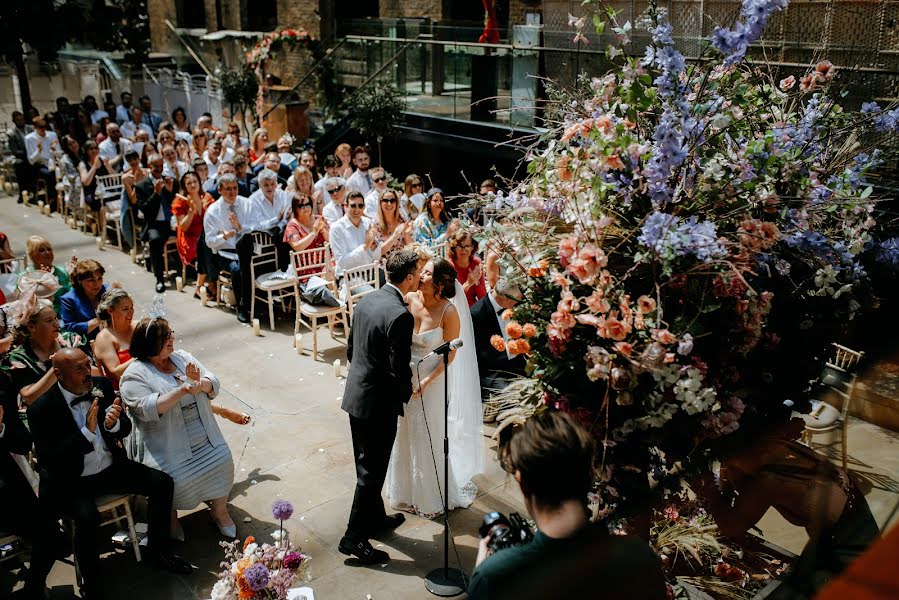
<point x="415" y="475"/>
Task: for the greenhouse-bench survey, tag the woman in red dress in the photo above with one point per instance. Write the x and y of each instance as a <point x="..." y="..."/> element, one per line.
<point x="189" y="207"/>
<point x="305" y="231"/>
<point x="461" y="253"/>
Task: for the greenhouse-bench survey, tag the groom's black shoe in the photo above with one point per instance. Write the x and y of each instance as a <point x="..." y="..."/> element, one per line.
<point x="389" y="523"/>
<point x="362" y="550"/>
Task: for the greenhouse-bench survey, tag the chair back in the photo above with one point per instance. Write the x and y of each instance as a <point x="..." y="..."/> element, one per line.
<point x="311" y="262"/>
<point x="264" y="254"/>
<point x="109" y="187"/>
<point x="439" y="250"/>
<point x="360" y="281"/>
<point x="844" y="362"/>
<point x="16" y="264"/>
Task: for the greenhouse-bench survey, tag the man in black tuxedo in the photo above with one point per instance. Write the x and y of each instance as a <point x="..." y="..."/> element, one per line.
<point x="154" y="199"/>
<point x="21" y="512"/>
<point x="496" y="368"/>
<point x="78" y="428"/>
<point x="379" y="349"/>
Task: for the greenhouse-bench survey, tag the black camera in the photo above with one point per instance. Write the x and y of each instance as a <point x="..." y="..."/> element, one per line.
<point x="505" y="533"/>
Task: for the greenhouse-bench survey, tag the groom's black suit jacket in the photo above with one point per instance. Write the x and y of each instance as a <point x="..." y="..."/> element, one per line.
<point x="490" y="360"/>
<point x="379" y="349"/>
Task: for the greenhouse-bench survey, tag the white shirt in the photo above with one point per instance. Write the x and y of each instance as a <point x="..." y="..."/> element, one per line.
<point x="322" y="184"/>
<point x="100" y="457"/>
<point x="213" y="167"/>
<point x="44" y="155"/>
<point x="216" y="222"/>
<point x="371" y="203"/>
<point x="175" y="171"/>
<point x="360" y="182"/>
<point x="97" y="115"/>
<point x="265" y="215"/>
<point x="502" y="323"/>
<point x="348" y="245"/>
<point x="129" y="129"/>
<point x="332" y="212"/>
<point x="108" y="151"/>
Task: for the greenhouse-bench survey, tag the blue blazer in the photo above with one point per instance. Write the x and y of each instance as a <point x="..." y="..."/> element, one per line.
<point x="76" y="310"/>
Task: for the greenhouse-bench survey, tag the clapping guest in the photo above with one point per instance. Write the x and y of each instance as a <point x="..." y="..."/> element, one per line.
<point x="360" y="180"/>
<point x="78" y="428"/>
<point x="169" y="394"/>
<point x="71" y="178"/>
<point x="111" y="348"/>
<point x="379" y="185"/>
<point x="321" y="196"/>
<point x="182" y="150"/>
<point x="301" y="181"/>
<point x="40" y="251"/>
<point x="413" y="200"/>
<point x="344" y="153"/>
<point x="130" y="178"/>
<point x="36" y="338"/>
<point x="78" y="306"/>
<point x="172" y="166"/>
<point x="199" y="140"/>
<point x="222" y="225"/>
<point x="394" y="233"/>
<point x="354" y="237"/>
<point x="257" y="147"/>
<point x="88" y="169"/>
<point x="462" y="249"/>
<point x="189" y="208"/>
<point x="336" y="208"/>
<point x="154" y="199"/>
<point x="304" y="230"/>
<point x="431" y="224"/>
<point x="213" y="156"/>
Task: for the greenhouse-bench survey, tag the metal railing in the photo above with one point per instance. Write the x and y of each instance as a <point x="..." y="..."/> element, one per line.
<point x="196" y="94"/>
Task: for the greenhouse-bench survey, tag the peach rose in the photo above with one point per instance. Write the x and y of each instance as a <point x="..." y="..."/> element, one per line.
<point x="586" y="319"/>
<point x="507" y="314"/>
<point x="562" y="319"/>
<point x="624" y="348"/>
<point x="498" y="343"/>
<point x="597" y="303"/>
<point x="529" y="330"/>
<point x="513" y="330"/>
<point x="567" y="249"/>
<point x="613" y="329"/>
<point x="787" y="84"/>
<point x="646" y="304"/>
<point x="663" y="336"/>
<point x="614" y="162"/>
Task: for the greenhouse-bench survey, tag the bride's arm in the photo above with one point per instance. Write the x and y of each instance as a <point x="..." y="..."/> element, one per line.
<point x="450" y="332"/>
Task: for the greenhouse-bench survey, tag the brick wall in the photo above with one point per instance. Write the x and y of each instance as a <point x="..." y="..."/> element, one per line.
<point x="161" y="37"/>
<point x="519" y="8"/>
<point x="432" y="9"/>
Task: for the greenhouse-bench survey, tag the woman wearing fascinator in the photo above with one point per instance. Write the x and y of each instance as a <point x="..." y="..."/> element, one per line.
<point x="169" y="396"/>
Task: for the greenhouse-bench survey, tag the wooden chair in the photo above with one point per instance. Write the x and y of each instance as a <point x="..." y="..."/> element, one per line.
<point x="439" y="250"/>
<point x="110" y="188"/>
<point x="111" y="503"/>
<point x="839" y="376"/>
<point x="171" y="250"/>
<point x="272" y="284"/>
<point x="358" y="282"/>
<point x="309" y="263"/>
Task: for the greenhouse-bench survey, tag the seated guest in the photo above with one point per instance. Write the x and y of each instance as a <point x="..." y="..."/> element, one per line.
<point x="360" y="180"/>
<point x="189" y="208"/>
<point x="552" y="457"/>
<point x="227" y="151"/>
<point x="36" y="337"/>
<point x="336" y="208"/>
<point x="21" y="512"/>
<point x="78" y="306"/>
<point x="320" y="195"/>
<point x="244" y="177"/>
<point x="232" y="139"/>
<point x="136" y="123"/>
<point x="213" y="156"/>
<point x="114" y="148"/>
<point x="272" y="163"/>
<point x="169" y="394"/>
<point x="183" y="150"/>
<point x="179" y="120"/>
<point x="198" y="142"/>
<point x="344" y="153"/>
<point x="258" y="144"/>
<point x="305" y="231"/>
<point x="173" y="167"/>
<point x="354" y="237"/>
<point x="123" y="110"/>
<point x="379" y="184"/>
<point x="40" y="147"/>
<point x="201" y="169"/>
<point x="111" y="348"/>
<point x="227" y="168"/>
<point x="413" y="200"/>
<point x="154" y="198"/>
<point x="301" y="181"/>
<point x="91" y="106"/>
<point x="149" y="117"/>
<point x="222" y="225"/>
<point x="393" y="233"/>
<point x="288" y="158"/>
<point x="71" y="178"/>
<point x="496" y="368"/>
<point x="461" y="253"/>
<point x="78" y="428"/>
<point x="40" y="251"/>
<point x="431" y="224"/>
<point x="130" y="178"/>
<point x="308" y="160"/>
<point x="88" y="169"/>
<point x="21" y="166"/>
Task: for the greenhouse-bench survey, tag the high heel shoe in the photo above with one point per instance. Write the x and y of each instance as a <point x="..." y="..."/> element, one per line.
<point x="228" y="531"/>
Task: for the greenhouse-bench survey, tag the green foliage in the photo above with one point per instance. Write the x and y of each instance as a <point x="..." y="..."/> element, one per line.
<point x="239" y="87"/>
<point x="376" y="111"/>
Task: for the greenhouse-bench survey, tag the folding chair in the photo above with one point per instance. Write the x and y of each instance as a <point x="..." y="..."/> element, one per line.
<point x="306" y="264"/>
<point x="358" y="282"/>
<point x="274" y="285"/>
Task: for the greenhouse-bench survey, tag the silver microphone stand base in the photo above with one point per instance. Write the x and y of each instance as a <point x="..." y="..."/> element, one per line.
<point x="445" y="582"/>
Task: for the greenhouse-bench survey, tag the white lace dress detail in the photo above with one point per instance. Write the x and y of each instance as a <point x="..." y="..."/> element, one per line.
<point x="413" y="483"/>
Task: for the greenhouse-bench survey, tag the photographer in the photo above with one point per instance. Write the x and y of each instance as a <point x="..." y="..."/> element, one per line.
<point x="552" y="459"/>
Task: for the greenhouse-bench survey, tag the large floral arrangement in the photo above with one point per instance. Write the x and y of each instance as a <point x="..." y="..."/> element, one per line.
<point x="270" y="43"/>
<point x="688" y="241"/>
<point x="261" y="571"/>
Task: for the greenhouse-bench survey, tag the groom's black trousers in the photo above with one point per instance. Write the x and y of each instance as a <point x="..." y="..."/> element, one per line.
<point x="372" y="444"/>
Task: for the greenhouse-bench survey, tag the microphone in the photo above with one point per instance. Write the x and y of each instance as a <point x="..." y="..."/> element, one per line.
<point x="443" y="349"/>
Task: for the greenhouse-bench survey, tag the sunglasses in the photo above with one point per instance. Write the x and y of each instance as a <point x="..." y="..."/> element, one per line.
<point x="389" y="200"/>
<point x="335" y="190"/>
<point x="416" y="184"/>
<point x="379" y="179"/>
<point x="357" y="205"/>
<point x="305" y="205"/>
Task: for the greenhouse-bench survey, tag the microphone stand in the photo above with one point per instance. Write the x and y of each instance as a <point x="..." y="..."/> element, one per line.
<point x="444" y="581"/>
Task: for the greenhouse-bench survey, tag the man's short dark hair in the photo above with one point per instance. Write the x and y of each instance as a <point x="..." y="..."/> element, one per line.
<point x="331" y="161"/>
<point x="17" y="113"/>
<point x="123" y="94"/>
<point x="401" y="264"/>
<point x="554" y="455"/>
<point x="360" y="150"/>
<point x="142" y="98"/>
<point x="131" y="155"/>
<point x="353" y="194"/>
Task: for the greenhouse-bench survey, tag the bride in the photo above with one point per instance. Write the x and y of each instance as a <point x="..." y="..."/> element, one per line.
<point x="415" y="475"/>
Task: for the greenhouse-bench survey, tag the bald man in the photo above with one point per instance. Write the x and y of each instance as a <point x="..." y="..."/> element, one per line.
<point x="78" y="428"/>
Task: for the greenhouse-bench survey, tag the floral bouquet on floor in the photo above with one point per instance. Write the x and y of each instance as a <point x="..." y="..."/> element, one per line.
<point x="689" y="241"/>
<point x="261" y="571"/>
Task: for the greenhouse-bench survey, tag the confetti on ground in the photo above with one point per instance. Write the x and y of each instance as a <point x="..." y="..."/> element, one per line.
<point x="321" y="449"/>
<point x="247" y="520"/>
<point x="253" y="481"/>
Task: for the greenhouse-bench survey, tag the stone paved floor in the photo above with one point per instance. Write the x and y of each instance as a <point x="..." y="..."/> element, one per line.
<point x="298" y="448"/>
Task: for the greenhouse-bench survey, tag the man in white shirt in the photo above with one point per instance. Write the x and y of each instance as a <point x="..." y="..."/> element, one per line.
<point x="173" y="168"/>
<point x="379" y="179"/>
<point x="113" y="149"/>
<point x="122" y="111"/>
<point x="222" y="226"/>
<point x="41" y="146"/>
<point x="354" y="237"/>
<point x="360" y="180"/>
<point x="97" y="113"/>
<point x="213" y="156"/>
<point x="136" y="123"/>
<point x="335" y="209"/>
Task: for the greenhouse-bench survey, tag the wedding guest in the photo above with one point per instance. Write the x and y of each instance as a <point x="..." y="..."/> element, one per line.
<point x="182" y="150"/>
<point x="272" y="163"/>
<point x="130" y="178"/>
<point x="40" y="251"/>
<point x="78" y="306"/>
<point x="379" y="184"/>
<point x="393" y="233"/>
<point x="201" y="169"/>
<point x="232" y="139"/>
<point x="431" y="224"/>
<point x="189" y="207"/>
<point x="111" y="348"/>
<point x="21" y="166"/>
<point x="552" y="457"/>
<point x="21" y="512"/>
<point x="344" y="154"/>
<point x="354" y="237"/>
<point x="244" y="177"/>
<point x="492" y="267"/>
<point x="321" y="196"/>
<point x="496" y="368"/>
<point x="172" y="166"/>
<point x="213" y="156"/>
<point x="301" y="181"/>
<point x="308" y="160"/>
<point x="169" y="393"/>
<point x="461" y="253"/>
<point x="78" y="428"/>
<point x="71" y="178"/>
<point x="288" y="158"/>
<point x="222" y="225"/>
<point x="150" y="117"/>
<point x="360" y="180"/>
<point x="82" y="128"/>
<point x="36" y="338"/>
<point x="113" y="149"/>
<point x="179" y="120"/>
<point x="136" y="123"/>
<point x="336" y="208"/>
<point x="40" y="147"/>
<point x="304" y="230"/>
<point x="154" y="199"/>
<point x="89" y="169"/>
<point x="258" y="144"/>
<point x="199" y="139"/>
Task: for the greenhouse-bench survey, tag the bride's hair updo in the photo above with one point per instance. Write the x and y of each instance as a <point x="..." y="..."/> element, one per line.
<point x="444" y="278"/>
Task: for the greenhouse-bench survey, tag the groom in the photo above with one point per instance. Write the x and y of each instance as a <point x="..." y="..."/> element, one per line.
<point x="379" y="383"/>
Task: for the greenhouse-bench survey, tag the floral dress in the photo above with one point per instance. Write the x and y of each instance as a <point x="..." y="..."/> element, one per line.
<point x="24" y="368"/>
<point x="429" y="232"/>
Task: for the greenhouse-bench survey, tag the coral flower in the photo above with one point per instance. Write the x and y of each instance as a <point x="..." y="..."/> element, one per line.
<point x="663" y="336"/>
<point x="529" y="330"/>
<point x="613" y="329"/>
<point x="513" y="330"/>
<point x="517" y="347"/>
<point x="507" y="314"/>
<point x="614" y="162"/>
<point x="824" y="70"/>
<point x="597" y="303"/>
<point x="646" y="304"/>
<point x="565" y="174"/>
<point x="624" y="348"/>
<point x="787" y="84"/>
<point x="249" y="540"/>
<point x="567" y="249"/>
<point x="498" y="342"/>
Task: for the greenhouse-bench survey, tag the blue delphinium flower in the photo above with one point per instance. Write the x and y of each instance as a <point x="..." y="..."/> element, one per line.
<point x="870" y="108"/>
<point x="734" y="43"/>
<point x="887" y="121"/>
<point x="669" y="237"/>
<point x="887" y="253"/>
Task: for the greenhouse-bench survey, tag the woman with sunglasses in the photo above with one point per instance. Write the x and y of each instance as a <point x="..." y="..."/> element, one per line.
<point x="395" y="233"/>
<point x="304" y="230"/>
<point x="431" y="224"/>
<point x="412" y="199"/>
<point x="198" y="143"/>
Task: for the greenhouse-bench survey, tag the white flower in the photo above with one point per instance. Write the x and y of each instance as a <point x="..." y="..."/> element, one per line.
<point x="250" y="550"/>
<point x="97" y="393"/>
<point x="685" y="346"/>
<point x="224" y="590"/>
